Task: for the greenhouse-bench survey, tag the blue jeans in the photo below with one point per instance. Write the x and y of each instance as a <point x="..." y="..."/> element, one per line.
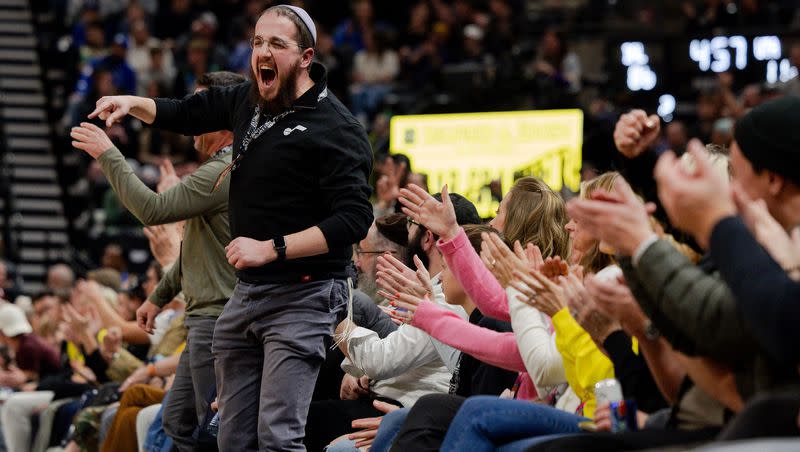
<point x="389" y="428"/>
<point x="485" y="423"/>
<point x="157" y="439"/>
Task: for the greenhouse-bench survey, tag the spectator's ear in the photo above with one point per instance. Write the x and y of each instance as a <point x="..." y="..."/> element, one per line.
<point x="429" y="241"/>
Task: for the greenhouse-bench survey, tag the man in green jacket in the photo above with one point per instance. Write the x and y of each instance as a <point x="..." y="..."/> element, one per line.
<point x="202" y="271"/>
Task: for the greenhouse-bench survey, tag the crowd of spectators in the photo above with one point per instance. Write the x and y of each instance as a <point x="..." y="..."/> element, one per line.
<point x="426" y="56"/>
<point x="634" y="279"/>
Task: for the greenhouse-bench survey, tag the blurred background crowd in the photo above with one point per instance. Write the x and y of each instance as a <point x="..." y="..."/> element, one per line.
<point x="390" y="58"/>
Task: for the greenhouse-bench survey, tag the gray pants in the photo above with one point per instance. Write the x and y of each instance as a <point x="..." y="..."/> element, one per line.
<point x="194" y="380"/>
<point x="269" y="347"/>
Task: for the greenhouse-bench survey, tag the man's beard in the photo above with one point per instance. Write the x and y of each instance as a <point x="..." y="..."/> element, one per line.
<point x="415" y="248"/>
<point x="367" y="283"/>
<point x="285" y="97"/>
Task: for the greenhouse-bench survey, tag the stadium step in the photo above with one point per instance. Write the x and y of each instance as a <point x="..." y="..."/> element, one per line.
<point x="19" y="70"/>
<point x="32" y="160"/>
<point x="36" y="190"/>
<point x="9" y="113"/>
<point x="24" y="99"/>
<point x="20" y="84"/>
<point x="22" y="4"/>
<point x="18" y="28"/>
<point x="28" y="143"/>
<point x="27" y="56"/>
<point x="15" y="14"/>
<point x="17" y="42"/>
<point x="37" y="223"/>
<point x="32" y="130"/>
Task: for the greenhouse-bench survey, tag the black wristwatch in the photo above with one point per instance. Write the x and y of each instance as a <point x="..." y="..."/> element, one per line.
<point x="651" y="332"/>
<point x="280" y="248"/>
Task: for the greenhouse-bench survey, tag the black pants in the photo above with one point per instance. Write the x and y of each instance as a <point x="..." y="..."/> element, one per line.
<point x="643" y="439"/>
<point x="771" y="416"/>
<point x="330" y="419"/>
<point x="427" y="423"/>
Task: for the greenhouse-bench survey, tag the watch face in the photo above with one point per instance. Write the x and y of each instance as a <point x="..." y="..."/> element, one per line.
<point x="651" y="332"/>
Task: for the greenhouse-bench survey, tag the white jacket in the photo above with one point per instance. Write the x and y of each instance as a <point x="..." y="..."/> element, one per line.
<point x="407" y="363"/>
<point x="537" y="347"/>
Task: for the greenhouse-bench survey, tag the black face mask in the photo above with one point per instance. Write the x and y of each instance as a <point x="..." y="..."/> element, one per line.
<point x="415" y="248"/>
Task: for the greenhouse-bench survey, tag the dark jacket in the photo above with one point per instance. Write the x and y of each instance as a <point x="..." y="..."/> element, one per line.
<point x="767" y="298"/>
<point x="310" y="169"/>
<point x="697" y="313"/>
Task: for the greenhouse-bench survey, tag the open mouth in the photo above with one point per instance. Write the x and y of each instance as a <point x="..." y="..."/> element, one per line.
<point x="267" y="74"/>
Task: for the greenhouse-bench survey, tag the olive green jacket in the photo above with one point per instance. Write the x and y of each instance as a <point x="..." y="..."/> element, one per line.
<point x="202" y="271"/>
<point x="697" y="313"/>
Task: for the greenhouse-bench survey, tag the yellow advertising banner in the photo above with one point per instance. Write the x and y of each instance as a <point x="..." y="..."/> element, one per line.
<point x="467" y="151"/>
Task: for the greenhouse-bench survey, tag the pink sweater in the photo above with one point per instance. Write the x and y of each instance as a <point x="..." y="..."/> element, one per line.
<point x="489" y="346"/>
<point x="478" y="282"/>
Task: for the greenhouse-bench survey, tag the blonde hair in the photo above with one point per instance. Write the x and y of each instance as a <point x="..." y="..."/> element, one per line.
<point x="594" y="259"/>
<point x="719" y="156"/>
<point x="536" y="214"/>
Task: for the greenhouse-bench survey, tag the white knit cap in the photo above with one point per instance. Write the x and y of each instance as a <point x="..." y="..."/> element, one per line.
<point x="303" y="15"/>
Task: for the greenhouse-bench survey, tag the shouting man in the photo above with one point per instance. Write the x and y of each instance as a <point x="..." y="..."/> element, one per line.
<point x="299" y="200"/>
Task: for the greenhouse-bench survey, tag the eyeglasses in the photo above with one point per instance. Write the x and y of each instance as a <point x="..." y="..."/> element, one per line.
<point x="409" y="222"/>
<point x="274" y="44"/>
<point x="359" y="252"/>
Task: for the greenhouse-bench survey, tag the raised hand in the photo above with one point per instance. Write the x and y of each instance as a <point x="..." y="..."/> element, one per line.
<point x="438" y="217"/>
<point x="165" y="242"/>
<point x="388" y="185"/>
<point x="90" y="139"/>
<point x="635" y="132"/>
<point x="112" y="109"/>
<point x="169" y="178"/>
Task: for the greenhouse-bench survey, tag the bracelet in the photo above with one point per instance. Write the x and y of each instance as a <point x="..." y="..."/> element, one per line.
<point x="151" y="370"/>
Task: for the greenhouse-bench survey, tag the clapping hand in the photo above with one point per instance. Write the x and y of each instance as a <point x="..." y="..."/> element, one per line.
<point x="695" y="201"/>
<point x="407" y="294"/>
<point x="585" y="311"/>
<point x="502" y="262"/>
<point x="785" y="249"/>
<point x="395" y="277"/>
<point x="616" y="301"/>
<point x="539" y="291"/>
<point x="553" y="267"/>
<point x="617" y="218"/>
